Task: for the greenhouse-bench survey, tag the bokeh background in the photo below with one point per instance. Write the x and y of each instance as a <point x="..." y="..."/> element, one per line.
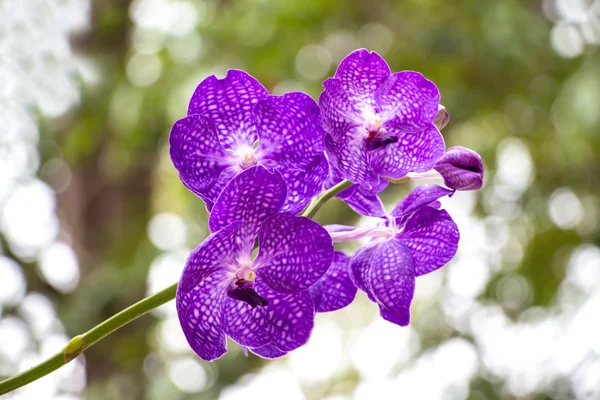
<point x="93" y="216"/>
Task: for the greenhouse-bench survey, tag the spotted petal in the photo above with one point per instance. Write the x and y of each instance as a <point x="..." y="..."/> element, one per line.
<point x="420" y="197"/>
<point x="304" y="180"/>
<point x="337" y="289"/>
<point x="268" y="351"/>
<point x="316" y="292"/>
<point x="201" y="160"/>
<point x="414" y="152"/>
<point x="286" y="322"/>
<point x="365" y="201"/>
<point x="289" y="127"/>
<point x="432" y="237"/>
<point x="360" y="265"/>
<point x="338" y="113"/>
<point x="349" y="156"/>
<point x="408" y="100"/>
<point x="200" y="315"/>
<point x="250" y="197"/>
<point x="215" y="253"/>
<point x="361" y="74"/>
<point x="294" y="252"/>
<point x="392" y="281"/>
<point x="229" y="103"/>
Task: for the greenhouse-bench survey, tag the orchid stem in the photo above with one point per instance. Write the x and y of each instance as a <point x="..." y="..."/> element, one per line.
<point x="327" y="195"/>
<point x="80" y="343"/>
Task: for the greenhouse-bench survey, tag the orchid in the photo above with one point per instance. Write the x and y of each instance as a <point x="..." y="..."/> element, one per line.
<point x="379" y="124"/>
<point x="257" y="301"/>
<point x="415" y="239"/>
<point x="234" y="124"/>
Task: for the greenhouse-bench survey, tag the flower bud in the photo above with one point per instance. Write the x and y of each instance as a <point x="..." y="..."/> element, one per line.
<point x="442" y="117"/>
<point x="461" y="168"/>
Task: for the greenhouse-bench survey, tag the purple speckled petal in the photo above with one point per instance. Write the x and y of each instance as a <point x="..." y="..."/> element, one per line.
<point x="361" y="74"/>
<point x="268" y="351"/>
<point x="229" y="102"/>
<point x="338" y="113"/>
<point x="316" y="292"/>
<point x="432" y="237"/>
<point x="294" y="252"/>
<point x="304" y="181"/>
<point x="250" y="197"/>
<point x="360" y="265"/>
<point x="461" y="168"/>
<point x="286" y="322"/>
<point x="392" y="281"/>
<point x="408" y="100"/>
<point x="215" y="253"/>
<point x="200" y="315"/>
<point x="414" y="152"/>
<point x="337" y="288"/>
<point x="289" y="127"/>
<point x="203" y="164"/>
<point x="420" y="197"/>
<point x="365" y="201"/>
<point x="349" y="157"/>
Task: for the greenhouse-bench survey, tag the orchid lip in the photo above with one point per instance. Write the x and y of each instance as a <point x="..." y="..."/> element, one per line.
<point x="244" y="291"/>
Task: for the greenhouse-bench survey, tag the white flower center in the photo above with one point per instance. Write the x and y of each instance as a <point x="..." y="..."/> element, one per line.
<point x="245" y="273"/>
<point x="244" y="156"/>
<point x="373" y="123"/>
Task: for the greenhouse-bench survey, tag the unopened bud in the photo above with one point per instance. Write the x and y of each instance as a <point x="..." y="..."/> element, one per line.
<point x="461" y="168"/>
<point x="442" y="117"/>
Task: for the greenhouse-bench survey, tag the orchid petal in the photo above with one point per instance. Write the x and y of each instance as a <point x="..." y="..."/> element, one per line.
<point x="408" y="100"/>
<point x="392" y="281"/>
<point x="361" y="74"/>
<point x="420" y="197"/>
<point x="432" y="237"/>
<point x="268" y="351"/>
<point x="229" y="102"/>
<point x="349" y="156"/>
<point x="250" y="197"/>
<point x="294" y="252"/>
<point x="202" y="163"/>
<point x="337" y="288"/>
<point x="338" y="113"/>
<point x="215" y="253"/>
<point x="200" y="315"/>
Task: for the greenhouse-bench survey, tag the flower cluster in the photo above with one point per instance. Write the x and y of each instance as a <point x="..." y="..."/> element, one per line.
<point x="257" y="160"/>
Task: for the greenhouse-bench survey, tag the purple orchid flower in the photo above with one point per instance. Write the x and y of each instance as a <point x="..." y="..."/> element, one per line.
<point x="234" y="124"/>
<point x="379" y="123"/>
<point x="416" y="238"/>
<point x="256" y="301"/>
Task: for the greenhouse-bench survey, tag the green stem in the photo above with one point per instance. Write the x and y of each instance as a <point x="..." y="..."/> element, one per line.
<point x="80" y="343"/>
<point x="327" y="195"/>
<point x="396" y="181"/>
